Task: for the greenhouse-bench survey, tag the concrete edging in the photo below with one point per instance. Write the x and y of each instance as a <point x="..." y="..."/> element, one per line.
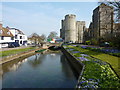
<point x="77" y="65"/>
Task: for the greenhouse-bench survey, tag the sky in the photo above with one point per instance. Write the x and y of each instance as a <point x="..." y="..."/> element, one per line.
<point x="43" y="17"/>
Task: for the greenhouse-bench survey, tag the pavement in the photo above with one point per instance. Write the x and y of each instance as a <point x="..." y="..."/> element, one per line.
<point x="5" y="49"/>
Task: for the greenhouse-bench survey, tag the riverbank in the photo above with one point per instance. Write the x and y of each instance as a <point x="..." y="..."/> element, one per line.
<point x="19" y="53"/>
<point x="14" y="51"/>
<point x="96" y="73"/>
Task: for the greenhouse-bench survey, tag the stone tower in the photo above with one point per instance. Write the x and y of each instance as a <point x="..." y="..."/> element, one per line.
<point x="80" y="27"/>
<point x="70" y="28"/>
<point x="103" y="21"/>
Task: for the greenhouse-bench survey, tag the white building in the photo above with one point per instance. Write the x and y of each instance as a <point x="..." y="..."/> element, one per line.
<point x="19" y="36"/>
<point x="5" y="37"/>
<point x="12" y="36"/>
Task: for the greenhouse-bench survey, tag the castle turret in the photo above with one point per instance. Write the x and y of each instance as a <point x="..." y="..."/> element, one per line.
<point x="70" y="28"/>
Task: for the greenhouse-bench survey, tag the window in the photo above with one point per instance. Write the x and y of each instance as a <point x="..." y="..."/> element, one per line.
<point x="23" y="37"/>
<point x="20" y="37"/>
<point x="2" y="37"/>
<point x="15" y="36"/>
<point x="1" y="32"/>
<point x="20" y="42"/>
<point x="12" y="38"/>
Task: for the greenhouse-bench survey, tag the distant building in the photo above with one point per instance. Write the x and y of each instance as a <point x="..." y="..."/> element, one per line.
<point x="102" y="22"/>
<point x="19" y="36"/>
<point x="86" y="35"/>
<point x="12" y="36"/>
<point x="90" y="31"/>
<point x="72" y="30"/>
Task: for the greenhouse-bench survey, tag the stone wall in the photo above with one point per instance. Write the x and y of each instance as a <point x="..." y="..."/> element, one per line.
<point x="102" y="21"/>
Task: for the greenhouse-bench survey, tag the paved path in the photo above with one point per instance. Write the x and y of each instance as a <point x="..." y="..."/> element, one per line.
<point x="5" y="49"/>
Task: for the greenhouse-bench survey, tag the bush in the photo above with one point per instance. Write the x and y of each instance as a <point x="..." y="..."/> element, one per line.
<point x="94" y="41"/>
<point x="88" y="42"/>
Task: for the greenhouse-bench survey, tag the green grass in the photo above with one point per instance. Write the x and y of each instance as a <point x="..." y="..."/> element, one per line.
<point x="10" y="52"/>
<point x="112" y="60"/>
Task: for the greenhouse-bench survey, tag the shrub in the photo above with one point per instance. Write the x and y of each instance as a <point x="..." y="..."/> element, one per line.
<point x="88" y="42"/>
<point x="94" y="41"/>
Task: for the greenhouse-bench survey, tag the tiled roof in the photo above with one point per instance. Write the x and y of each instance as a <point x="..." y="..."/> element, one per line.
<point x="19" y="31"/>
<point x="5" y="32"/>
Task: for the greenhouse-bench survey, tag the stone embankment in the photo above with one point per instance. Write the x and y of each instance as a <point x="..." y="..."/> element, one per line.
<point x="18" y="55"/>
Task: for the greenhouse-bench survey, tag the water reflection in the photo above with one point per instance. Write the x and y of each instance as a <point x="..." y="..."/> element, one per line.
<point x="67" y="68"/>
<point x="11" y="66"/>
<point x="48" y="70"/>
<point x="15" y="66"/>
<point x="36" y="60"/>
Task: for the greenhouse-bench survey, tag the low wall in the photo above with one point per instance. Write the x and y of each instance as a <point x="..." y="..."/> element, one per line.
<point x="19" y="55"/>
<point x="77" y="65"/>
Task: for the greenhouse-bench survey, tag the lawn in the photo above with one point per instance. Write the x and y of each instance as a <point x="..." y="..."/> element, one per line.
<point x="10" y="52"/>
<point x="112" y="60"/>
<point x="97" y="73"/>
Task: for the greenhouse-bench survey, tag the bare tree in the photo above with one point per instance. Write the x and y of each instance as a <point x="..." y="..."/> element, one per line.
<point x="43" y="37"/>
<point x="35" y="38"/>
<point x="52" y="34"/>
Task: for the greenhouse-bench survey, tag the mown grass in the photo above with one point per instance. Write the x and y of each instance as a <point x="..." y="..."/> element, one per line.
<point x="112" y="60"/>
<point x="10" y="52"/>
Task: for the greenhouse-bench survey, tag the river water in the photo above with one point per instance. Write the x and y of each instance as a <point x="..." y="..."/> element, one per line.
<point x="48" y="70"/>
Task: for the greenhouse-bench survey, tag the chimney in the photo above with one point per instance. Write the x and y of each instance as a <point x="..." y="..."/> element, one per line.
<point x="0" y="25"/>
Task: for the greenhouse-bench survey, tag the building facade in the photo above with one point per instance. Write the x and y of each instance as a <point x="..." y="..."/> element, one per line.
<point x="102" y="21"/>
<point x="19" y="36"/>
<point x="12" y="36"/>
<point x="6" y="37"/>
<point x="72" y="30"/>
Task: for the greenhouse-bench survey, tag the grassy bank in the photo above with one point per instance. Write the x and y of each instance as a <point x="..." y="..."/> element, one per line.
<point x="112" y="60"/>
<point x="97" y="73"/>
<point x="10" y="52"/>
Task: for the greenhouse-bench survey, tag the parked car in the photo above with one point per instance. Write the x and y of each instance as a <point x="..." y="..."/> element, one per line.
<point x="13" y="44"/>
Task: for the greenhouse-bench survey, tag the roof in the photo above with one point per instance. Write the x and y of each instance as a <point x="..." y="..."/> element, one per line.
<point x="19" y="31"/>
<point x="5" y="32"/>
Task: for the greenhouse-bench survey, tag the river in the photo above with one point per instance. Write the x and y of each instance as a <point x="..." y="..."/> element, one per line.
<point x="48" y="70"/>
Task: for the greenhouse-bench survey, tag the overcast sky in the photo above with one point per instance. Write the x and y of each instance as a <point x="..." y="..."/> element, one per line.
<point x="44" y="17"/>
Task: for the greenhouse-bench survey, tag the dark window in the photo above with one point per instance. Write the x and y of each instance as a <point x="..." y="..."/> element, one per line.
<point x="20" y="42"/>
<point x="15" y="36"/>
<point x="17" y="41"/>
<point x="2" y="37"/>
<point x="20" y="37"/>
<point x="12" y="38"/>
